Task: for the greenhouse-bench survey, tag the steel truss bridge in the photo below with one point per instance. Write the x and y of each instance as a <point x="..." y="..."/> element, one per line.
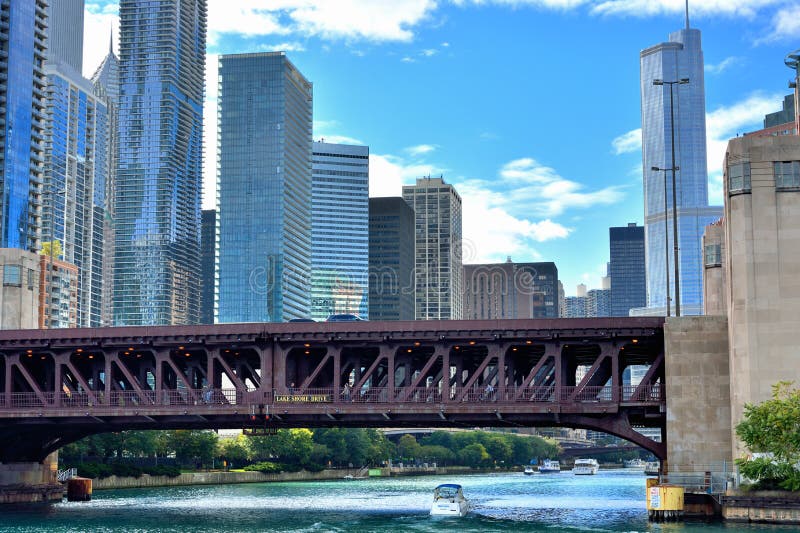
<point x="59" y="386"/>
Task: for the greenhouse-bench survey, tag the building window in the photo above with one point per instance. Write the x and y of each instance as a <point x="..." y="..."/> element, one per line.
<point x="739" y="177"/>
<point x="12" y="275"/>
<point x="787" y="174"/>
<point x="713" y="253"/>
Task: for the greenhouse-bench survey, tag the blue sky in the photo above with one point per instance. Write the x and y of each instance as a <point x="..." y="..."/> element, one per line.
<point x="529" y="107"/>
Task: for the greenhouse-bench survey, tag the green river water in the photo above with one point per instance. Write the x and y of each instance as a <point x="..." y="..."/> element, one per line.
<point x="610" y="501"/>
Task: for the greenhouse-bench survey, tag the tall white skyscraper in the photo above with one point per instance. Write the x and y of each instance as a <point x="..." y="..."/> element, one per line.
<point x="339" y="230"/>
<point x="667" y="64"/>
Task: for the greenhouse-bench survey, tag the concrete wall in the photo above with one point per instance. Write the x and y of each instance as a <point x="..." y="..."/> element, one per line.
<point x="30" y="482"/>
<point x="213" y="478"/>
<point x="715" y="286"/>
<point x="698" y="393"/>
<point x="762" y="237"/>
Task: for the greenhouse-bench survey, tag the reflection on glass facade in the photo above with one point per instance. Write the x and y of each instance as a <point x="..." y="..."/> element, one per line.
<point x="65" y="33"/>
<point x="437" y="235"/>
<point x="264" y="189"/>
<point x="208" y="242"/>
<point x="681" y="57"/>
<point x="159" y="167"/>
<point x="339" y="230"/>
<point x="391" y="259"/>
<point x="75" y="182"/>
<point x="626" y="269"/>
<point x="22" y="116"/>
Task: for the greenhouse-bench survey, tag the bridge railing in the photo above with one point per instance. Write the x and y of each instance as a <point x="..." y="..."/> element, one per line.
<point x="216" y="398"/>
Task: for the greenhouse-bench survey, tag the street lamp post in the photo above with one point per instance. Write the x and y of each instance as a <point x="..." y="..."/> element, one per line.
<point x="666" y="234"/>
<point x="682" y="81"/>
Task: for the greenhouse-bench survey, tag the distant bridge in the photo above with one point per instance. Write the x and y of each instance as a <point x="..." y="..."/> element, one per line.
<point x="62" y="385"/>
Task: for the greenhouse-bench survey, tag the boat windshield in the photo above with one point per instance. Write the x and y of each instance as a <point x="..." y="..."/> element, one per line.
<point x="446" y="491"/>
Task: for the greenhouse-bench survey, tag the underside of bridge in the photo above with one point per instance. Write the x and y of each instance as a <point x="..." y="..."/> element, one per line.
<point x="61" y="385"/>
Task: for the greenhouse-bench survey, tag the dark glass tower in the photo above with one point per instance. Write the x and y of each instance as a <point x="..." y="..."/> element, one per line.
<point x="22" y="116"/>
<point x="159" y="167"/>
<point x="208" y="241"/>
<point x="391" y="259"/>
<point x="264" y="201"/>
<point x="627" y="269"/>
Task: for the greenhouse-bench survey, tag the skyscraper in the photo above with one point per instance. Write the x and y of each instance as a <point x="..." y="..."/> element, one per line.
<point x="667" y="64"/>
<point x="264" y="176"/>
<point x="510" y="290"/>
<point x="391" y="259"/>
<point x="626" y="269"/>
<point x="339" y="230"/>
<point x="159" y="167"/>
<point x="208" y="241"/>
<point x="76" y="170"/>
<point x="439" y="271"/>
<point x="106" y="86"/>
<point x="65" y="33"/>
<point x="22" y="122"/>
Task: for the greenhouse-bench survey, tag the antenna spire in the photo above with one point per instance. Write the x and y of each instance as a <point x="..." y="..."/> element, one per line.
<point x="111" y="40"/>
<point x="687" y="14"/>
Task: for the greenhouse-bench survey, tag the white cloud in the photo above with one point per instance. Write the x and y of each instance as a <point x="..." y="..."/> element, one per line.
<point x="649" y="8"/>
<point x="388" y="174"/>
<point x="785" y="25"/>
<point x="420" y="149"/>
<point x="328" y="131"/>
<point x="339" y="139"/>
<point x="428" y="52"/>
<point x="98" y="22"/>
<point x="726" y="122"/>
<point x="408" y="59"/>
<point x="723" y="65"/>
<point x="628" y="142"/>
<point x="289" y="46"/>
<point x="540" y="191"/>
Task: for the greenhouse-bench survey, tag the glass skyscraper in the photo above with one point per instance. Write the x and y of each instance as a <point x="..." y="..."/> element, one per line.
<point x="76" y="168"/>
<point x="680" y="58"/>
<point x="391" y="259"/>
<point x="65" y="32"/>
<point x="437" y="236"/>
<point x="208" y="243"/>
<point x="106" y="86"/>
<point x="626" y="269"/>
<point x="264" y="189"/>
<point x="159" y="166"/>
<point x="22" y="121"/>
<point x="339" y="230"/>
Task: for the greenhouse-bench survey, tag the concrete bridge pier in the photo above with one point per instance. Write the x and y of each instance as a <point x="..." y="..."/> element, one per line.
<point x="31" y="482"/>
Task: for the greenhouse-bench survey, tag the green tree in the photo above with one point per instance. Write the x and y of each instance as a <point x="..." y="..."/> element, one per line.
<point x="235" y="450"/>
<point x="191" y="446"/>
<point x="474" y="455"/>
<point x="773" y="428"/>
<point x="408" y="448"/>
<point x="438" y="438"/>
<point x="499" y="448"/>
<point x="438" y="454"/>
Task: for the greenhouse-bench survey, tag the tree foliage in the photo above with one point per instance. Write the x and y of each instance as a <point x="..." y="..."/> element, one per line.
<point x="772" y="430"/>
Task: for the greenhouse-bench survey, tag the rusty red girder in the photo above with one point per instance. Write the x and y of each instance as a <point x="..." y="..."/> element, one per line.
<point x="60" y="385"/>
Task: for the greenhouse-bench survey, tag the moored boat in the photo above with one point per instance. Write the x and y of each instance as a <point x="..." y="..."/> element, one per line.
<point x="652" y="468"/>
<point x="449" y="500"/>
<point x="549" y="467"/>
<point x="634" y="463"/>
<point x="585" y="467"/>
<point x="528" y="470"/>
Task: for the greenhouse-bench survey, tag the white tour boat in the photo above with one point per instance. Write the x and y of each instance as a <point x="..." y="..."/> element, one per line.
<point x="585" y="467"/>
<point x="634" y="463"/>
<point x="549" y="467"/>
<point x="448" y="500"/>
<point x="529" y="471"/>
<point x="652" y="468"/>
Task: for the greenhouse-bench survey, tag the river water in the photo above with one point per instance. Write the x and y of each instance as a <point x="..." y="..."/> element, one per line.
<point x="611" y="501"/>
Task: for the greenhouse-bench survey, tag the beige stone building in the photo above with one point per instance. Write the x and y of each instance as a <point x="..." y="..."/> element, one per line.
<point x="762" y="269"/>
<point x="19" y="294"/>
<point x="715" y="301"/>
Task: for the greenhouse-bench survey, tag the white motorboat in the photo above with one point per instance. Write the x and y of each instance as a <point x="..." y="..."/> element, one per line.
<point x="529" y="471"/>
<point x="585" y="467"/>
<point x="549" y="467"/>
<point x="448" y="500"/>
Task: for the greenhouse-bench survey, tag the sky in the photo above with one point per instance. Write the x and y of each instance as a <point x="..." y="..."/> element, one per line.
<point x="530" y="108"/>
